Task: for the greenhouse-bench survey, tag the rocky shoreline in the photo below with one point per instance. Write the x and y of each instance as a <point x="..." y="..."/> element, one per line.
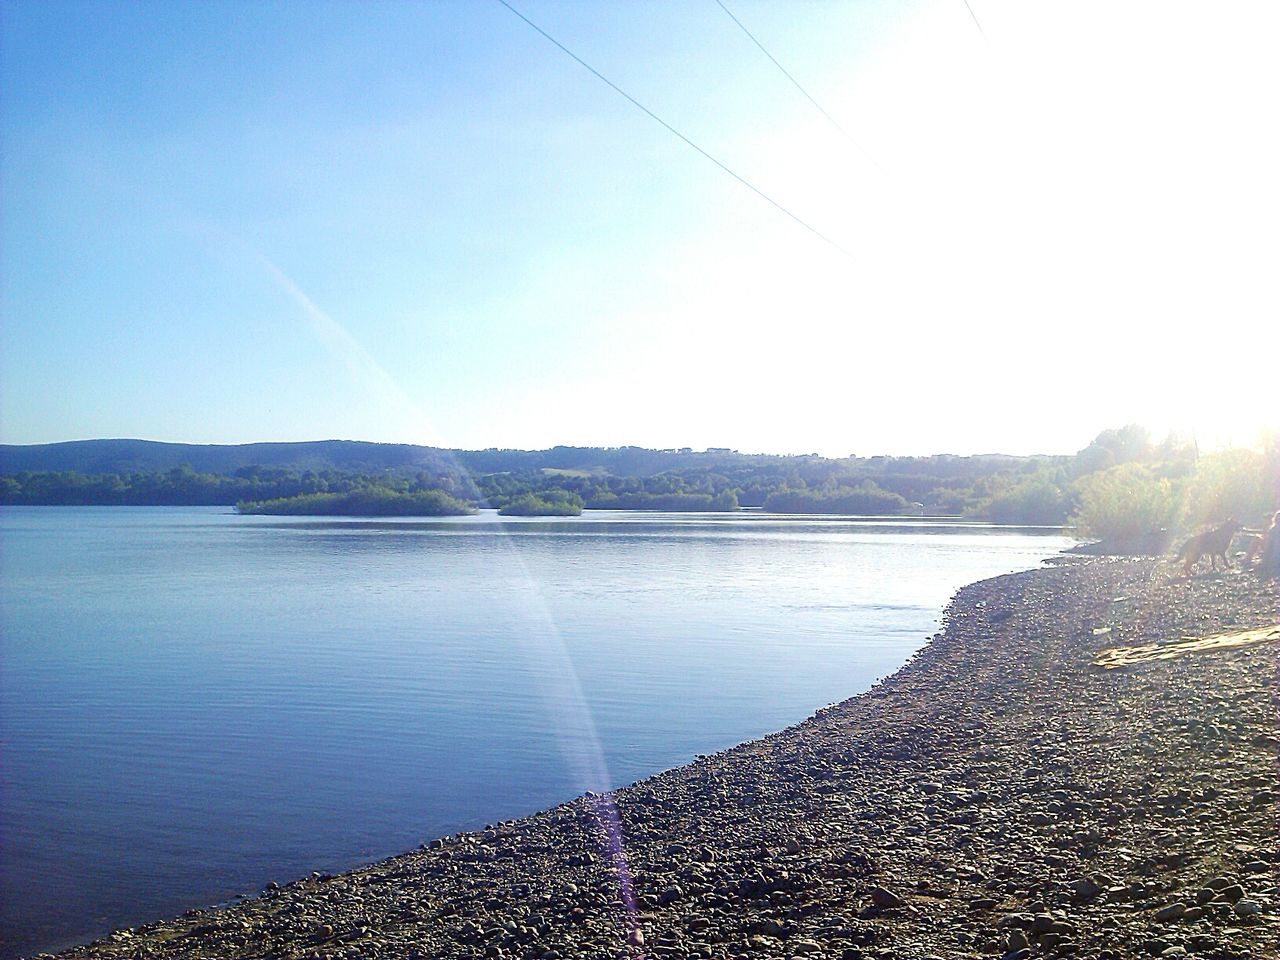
<point x="999" y="796"/>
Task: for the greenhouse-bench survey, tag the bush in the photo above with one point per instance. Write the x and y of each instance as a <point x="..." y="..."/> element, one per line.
<point x="1126" y="503"/>
<point x="867" y="500"/>
<point x="1035" y="501"/>
<point x="725" y="502"/>
<point x="552" y="503"/>
<point x="673" y="502"/>
<point x="1232" y="483"/>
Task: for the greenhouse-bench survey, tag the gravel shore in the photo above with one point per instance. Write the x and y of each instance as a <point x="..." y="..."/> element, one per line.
<point x="1000" y="796"/>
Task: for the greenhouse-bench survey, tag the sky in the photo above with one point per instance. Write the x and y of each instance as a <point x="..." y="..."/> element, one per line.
<point x="423" y="222"/>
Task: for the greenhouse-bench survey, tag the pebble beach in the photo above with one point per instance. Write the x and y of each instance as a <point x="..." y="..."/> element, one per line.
<point x="1068" y="769"/>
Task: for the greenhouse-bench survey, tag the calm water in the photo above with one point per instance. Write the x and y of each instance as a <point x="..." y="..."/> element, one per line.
<point x="193" y="703"/>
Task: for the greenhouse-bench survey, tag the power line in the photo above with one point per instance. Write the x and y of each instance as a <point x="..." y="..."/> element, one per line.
<point x="786" y="73"/>
<point x="975" y="21"/>
<point x="640" y="106"/>
<point x="784" y="70"/>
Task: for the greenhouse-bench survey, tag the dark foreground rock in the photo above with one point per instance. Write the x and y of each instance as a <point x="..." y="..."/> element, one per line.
<point x="999" y="796"/>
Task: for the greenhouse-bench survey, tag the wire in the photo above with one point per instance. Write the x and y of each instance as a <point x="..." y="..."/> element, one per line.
<point x="786" y="73"/>
<point x="975" y="21"/>
<point x="784" y="70"/>
<point x="640" y="106"/>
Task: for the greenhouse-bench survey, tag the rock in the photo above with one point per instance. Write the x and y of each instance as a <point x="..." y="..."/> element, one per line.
<point x="1041" y="924"/>
<point x="1172" y="912"/>
<point x="884" y="899"/>
<point x="1247" y="908"/>
<point x="1086" y="888"/>
<point x="1021" y="920"/>
<point x="1231" y="893"/>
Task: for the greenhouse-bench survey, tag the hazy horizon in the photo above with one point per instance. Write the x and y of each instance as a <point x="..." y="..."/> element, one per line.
<point x="695" y="449"/>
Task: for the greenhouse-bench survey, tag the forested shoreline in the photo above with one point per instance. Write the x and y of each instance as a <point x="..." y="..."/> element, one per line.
<point x="1122" y="486"/>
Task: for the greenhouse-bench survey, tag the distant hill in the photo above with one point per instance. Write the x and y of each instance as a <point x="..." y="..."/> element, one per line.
<point x="355" y="456"/>
<point x="149" y="456"/>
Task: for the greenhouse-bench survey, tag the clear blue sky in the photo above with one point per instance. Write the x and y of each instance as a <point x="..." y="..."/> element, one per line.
<point x="422" y="222"/>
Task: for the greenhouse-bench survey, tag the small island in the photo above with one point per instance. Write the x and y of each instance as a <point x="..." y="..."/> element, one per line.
<point x="373" y="502"/>
<point x="548" y="503"/>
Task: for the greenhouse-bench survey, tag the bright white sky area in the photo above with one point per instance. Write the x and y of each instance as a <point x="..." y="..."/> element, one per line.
<point x="227" y="222"/>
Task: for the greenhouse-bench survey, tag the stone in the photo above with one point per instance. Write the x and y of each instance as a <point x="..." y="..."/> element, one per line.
<point x="1231" y="893"/>
<point x="884" y="899"/>
<point x="1086" y="888"/>
<point x="1247" y="908"/>
<point x="1041" y="924"/>
<point x="1172" y="912"/>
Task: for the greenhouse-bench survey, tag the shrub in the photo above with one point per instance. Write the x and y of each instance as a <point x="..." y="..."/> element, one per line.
<point x="544" y="505"/>
<point x="1035" y="501"/>
<point x="1128" y="502"/>
<point x="867" y="500"/>
<point x="1232" y="483"/>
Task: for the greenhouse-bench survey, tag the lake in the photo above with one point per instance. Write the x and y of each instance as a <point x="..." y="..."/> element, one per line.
<point x="194" y="703"/>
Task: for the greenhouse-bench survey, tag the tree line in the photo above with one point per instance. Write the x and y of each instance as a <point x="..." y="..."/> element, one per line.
<point x="183" y="486"/>
<point x="1122" y="486"/>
